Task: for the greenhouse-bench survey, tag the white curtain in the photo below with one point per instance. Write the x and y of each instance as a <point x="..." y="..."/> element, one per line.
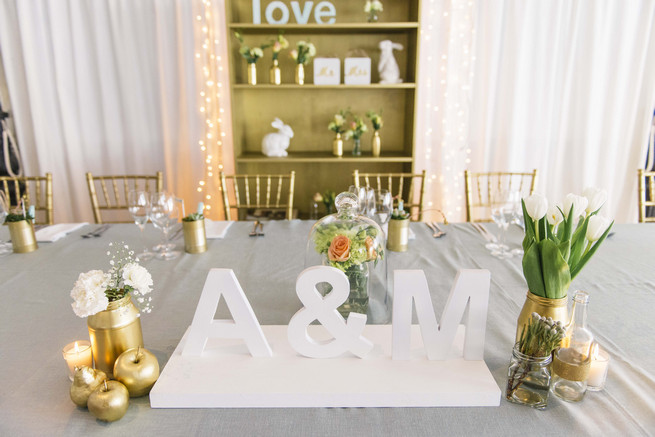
<point x="567" y="87"/>
<point x="109" y="87"/>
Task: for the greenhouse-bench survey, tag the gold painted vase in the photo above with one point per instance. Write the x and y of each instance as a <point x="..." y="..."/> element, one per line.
<point x="195" y="239"/>
<point x="252" y="74"/>
<point x="337" y="146"/>
<point x="376" y="144"/>
<point x="398" y="238"/>
<point x="300" y="74"/>
<point x="22" y="236"/>
<point x="555" y="308"/>
<point x="275" y="74"/>
<point x="113" y="331"/>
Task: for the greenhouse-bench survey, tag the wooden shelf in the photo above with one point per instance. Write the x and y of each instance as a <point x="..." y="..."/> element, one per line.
<point x="293" y="86"/>
<point x="320" y="157"/>
<point x="325" y="28"/>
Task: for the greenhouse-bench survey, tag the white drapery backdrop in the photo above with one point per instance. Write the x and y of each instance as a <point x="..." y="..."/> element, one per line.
<point x="109" y="87"/>
<point x="565" y="87"/>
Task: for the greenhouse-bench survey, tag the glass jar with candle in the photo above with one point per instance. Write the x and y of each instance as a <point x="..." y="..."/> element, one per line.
<point x="571" y="364"/>
<point x="600" y="360"/>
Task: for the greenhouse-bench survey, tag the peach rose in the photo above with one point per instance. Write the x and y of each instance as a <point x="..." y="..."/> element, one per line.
<point x="370" y="249"/>
<point x="339" y="249"/>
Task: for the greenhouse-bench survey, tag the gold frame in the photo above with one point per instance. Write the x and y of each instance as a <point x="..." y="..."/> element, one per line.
<point x="43" y="196"/>
<point x="643" y="203"/>
<point x="389" y="178"/>
<point x="116" y="200"/>
<point x="484" y="181"/>
<point x="257" y="179"/>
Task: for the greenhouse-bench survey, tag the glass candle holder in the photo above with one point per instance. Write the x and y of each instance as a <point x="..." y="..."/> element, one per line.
<point x="77" y="354"/>
<point x="600" y="361"/>
<point x="570" y="372"/>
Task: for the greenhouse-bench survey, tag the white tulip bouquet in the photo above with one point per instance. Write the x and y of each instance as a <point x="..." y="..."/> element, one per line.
<point x="560" y="240"/>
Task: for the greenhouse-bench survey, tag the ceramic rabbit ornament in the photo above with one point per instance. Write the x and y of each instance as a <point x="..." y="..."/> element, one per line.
<point x="276" y="144"/>
<point x="388" y="67"/>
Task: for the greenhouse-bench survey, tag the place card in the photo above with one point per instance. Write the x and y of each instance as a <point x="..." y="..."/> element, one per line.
<point x="357" y="71"/>
<point x="327" y="71"/>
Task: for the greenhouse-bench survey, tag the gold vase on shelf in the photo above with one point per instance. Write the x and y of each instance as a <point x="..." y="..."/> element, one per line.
<point x="300" y="74"/>
<point x="376" y="144"/>
<point x="252" y="74"/>
<point x="22" y="236"/>
<point x="113" y="331"/>
<point x="275" y="74"/>
<point x="555" y="308"/>
<point x="195" y="239"/>
<point x="337" y="145"/>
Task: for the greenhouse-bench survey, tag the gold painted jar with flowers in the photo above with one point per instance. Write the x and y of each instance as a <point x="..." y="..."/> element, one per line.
<point x="353" y="244"/>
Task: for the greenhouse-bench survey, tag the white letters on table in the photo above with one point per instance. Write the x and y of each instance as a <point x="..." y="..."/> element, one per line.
<point x="471" y="287"/>
<point x="324" y="9"/>
<point x="223" y="282"/>
<point x="347" y="334"/>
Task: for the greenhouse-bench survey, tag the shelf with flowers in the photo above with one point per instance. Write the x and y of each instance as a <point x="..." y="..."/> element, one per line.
<point x="361" y="27"/>
<point x="559" y="241"/>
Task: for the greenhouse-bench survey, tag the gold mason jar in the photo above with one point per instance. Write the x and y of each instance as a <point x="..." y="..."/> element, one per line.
<point x="22" y="236"/>
<point x="252" y="74"/>
<point x="398" y="238"/>
<point x="376" y="144"/>
<point x="337" y="145"/>
<point x="275" y="74"/>
<point x="195" y="240"/>
<point x="554" y="308"/>
<point x="113" y="331"/>
<point x="300" y="74"/>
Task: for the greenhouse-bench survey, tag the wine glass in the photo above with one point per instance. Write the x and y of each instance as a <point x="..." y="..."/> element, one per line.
<point x="138" y="203"/>
<point x="5" y="248"/>
<point x="504" y="209"/>
<point x="164" y="214"/>
<point x="382" y="206"/>
<point x="360" y="192"/>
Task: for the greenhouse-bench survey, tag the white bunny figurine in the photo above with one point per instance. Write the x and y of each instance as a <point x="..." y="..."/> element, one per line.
<point x="276" y="144"/>
<point x="388" y="67"/>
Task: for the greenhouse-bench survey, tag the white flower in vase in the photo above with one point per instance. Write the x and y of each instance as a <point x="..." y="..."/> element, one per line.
<point x="89" y="293"/>
<point x="596" y="198"/>
<point x="137" y="277"/>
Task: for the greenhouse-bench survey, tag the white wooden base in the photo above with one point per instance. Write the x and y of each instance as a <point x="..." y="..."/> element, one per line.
<point x="227" y="376"/>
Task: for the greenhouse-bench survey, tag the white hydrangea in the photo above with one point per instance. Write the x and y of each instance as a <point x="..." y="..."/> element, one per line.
<point x="137" y="277"/>
<point x="89" y="293"/>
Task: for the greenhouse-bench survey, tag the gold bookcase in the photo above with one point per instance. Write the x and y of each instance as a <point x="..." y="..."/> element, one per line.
<point x="309" y="108"/>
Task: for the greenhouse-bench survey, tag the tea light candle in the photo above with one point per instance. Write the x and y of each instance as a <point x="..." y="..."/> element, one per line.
<point x="77" y="354"/>
<point x="600" y="361"/>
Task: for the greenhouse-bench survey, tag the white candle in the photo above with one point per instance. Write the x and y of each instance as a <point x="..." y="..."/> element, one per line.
<point x="77" y="354"/>
<point x="600" y="361"/>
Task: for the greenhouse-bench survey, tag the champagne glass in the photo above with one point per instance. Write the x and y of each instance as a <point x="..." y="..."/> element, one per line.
<point x="164" y="214"/>
<point x="504" y="205"/>
<point x="382" y="206"/>
<point x="5" y="248"/>
<point x="138" y="203"/>
<point x="361" y="196"/>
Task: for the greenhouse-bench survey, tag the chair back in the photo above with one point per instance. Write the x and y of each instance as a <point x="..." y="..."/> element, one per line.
<point x="258" y="195"/>
<point x="114" y="190"/>
<point x="479" y="187"/>
<point x="401" y="186"/>
<point x="36" y="190"/>
<point x="646" y="196"/>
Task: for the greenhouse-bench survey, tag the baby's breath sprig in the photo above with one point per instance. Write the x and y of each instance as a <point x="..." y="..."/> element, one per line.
<point x="121" y="255"/>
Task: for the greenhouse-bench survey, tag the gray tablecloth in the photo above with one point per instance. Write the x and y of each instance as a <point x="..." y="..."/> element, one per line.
<point x="37" y="321"/>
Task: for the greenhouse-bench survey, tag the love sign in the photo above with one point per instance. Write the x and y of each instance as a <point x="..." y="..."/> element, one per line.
<point x="277" y="12"/>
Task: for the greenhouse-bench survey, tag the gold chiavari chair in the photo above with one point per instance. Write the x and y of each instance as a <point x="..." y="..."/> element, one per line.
<point x="479" y="186"/>
<point x="269" y="192"/>
<point x="114" y="191"/>
<point x="36" y="190"/>
<point x="646" y="195"/>
<point x="400" y="185"/>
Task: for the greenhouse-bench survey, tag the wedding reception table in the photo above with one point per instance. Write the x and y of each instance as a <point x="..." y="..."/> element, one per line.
<point x="37" y="321"/>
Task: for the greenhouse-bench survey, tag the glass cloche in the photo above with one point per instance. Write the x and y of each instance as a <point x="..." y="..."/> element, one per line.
<point x="355" y="245"/>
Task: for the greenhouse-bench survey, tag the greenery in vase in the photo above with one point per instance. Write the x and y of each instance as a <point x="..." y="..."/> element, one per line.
<point x="278" y="45"/>
<point x="560" y="240"/>
<point x="303" y="52"/>
<point x="251" y="55"/>
<point x="357" y="128"/>
<point x="328" y="200"/>
<point x="376" y="120"/>
<point x="337" y="125"/>
<point x="94" y="289"/>
<point x="193" y="217"/>
<point x="17" y="217"/>
<point x="399" y="213"/>
<point x="372" y="8"/>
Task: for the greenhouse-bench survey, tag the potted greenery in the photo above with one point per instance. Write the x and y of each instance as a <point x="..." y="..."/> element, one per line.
<point x="398" y="238"/>
<point x="21" y="230"/>
<point x="193" y="226"/>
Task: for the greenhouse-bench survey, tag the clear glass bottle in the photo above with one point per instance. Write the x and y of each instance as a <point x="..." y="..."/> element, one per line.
<point x="571" y="364"/>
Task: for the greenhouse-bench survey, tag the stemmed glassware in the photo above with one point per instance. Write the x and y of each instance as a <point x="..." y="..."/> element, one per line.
<point x="360" y="192"/>
<point x="5" y="248"/>
<point x="505" y="206"/>
<point x="138" y="203"/>
<point x="164" y="214"/>
<point x="379" y="209"/>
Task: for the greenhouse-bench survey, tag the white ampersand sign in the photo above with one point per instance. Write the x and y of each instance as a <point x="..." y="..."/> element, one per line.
<point x="347" y="334"/>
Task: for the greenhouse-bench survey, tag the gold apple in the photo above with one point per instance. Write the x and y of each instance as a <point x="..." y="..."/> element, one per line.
<point x="109" y="401"/>
<point x="85" y="381"/>
<point x="138" y="369"/>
